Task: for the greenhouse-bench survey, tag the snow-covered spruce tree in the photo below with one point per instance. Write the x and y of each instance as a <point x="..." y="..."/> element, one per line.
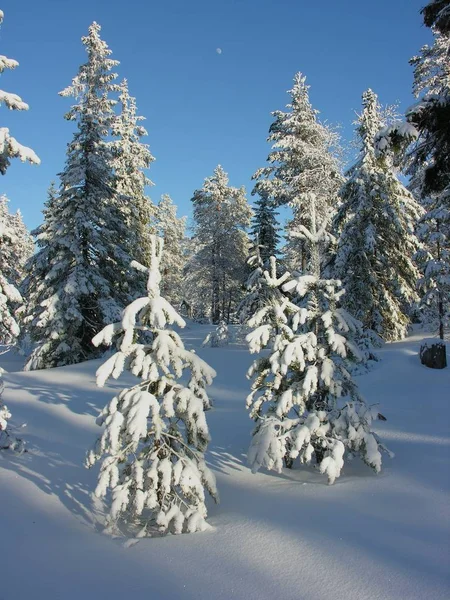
<point x="16" y="247"/>
<point x="436" y="14"/>
<point x="303" y="398"/>
<point x="253" y="299"/>
<point x="78" y="279"/>
<point x="258" y="293"/>
<point x="12" y="245"/>
<point x="301" y="163"/>
<point x="218" y="269"/>
<point x="434" y="259"/>
<point x="131" y="158"/>
<point x="428" y="165"/>
<point x="376" y="222"/>
<point x="24" y="244"/>
<point x="172" y="230"/>
<point x="152" y="448"/>
<point x="10" y="262"/>
<point x="9" y="146"/>
<point x="265" y="227"/>
<point x="221" y="336"/>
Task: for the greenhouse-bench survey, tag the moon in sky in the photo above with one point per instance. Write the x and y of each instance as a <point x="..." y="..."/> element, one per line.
<point x="219" y="50"/>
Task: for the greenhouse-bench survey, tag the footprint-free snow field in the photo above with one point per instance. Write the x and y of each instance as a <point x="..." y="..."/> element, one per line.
<point x="287" y="536"/>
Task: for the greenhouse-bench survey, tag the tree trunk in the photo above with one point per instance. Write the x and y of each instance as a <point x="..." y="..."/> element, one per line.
<point x="215" y="307"/>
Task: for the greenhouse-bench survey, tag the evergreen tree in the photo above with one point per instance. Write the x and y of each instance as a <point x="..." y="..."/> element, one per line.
<point x="434" y="260"/>
<point x="221" y="336"/>
<point x="131" y="158"/>
<point x="9" y="146"/>
<point x="217" y="271"/>
<point x="436" y="14"/>
<point x="265" y="227"/>
<point x="430" y="156"/>
<point x="376" y="222"/>
<point x="172" y="230"/>
<point x="13" y="245"/>
<point x="152" y="448"/>
<point x="303" y="398"/>
<point x="301" y="164"/>
<point x="25" y="245"/>
<point x="10" y="263"/>
<point x="428" y="163"/>
<point x="78" y="279"/>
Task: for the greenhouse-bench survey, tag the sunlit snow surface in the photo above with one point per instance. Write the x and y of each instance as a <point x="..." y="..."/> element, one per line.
<point x="288" y="536"/>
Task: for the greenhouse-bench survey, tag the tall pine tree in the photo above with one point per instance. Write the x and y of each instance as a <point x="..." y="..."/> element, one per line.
<point x="172" y="230"/>
<point x="429" y="160"/>
<point x="131" y="159"/>
<point x="301" y="165"/>
<point x="218" y="269"/>
<point x="78" y="279"/>
<point x="376" y="222"/>
<point x="11" y="260"/>
<point x="265" y="227"/>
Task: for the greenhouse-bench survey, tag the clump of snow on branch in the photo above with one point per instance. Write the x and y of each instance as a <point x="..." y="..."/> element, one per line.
<point x="9" y="146"/>
<point x="155" y="435"/>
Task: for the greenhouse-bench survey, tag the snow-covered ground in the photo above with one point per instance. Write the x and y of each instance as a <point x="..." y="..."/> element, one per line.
<point x="288" y="536"/>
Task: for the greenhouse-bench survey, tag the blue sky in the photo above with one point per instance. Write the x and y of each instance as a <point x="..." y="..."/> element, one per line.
<point x="202" y="108"/>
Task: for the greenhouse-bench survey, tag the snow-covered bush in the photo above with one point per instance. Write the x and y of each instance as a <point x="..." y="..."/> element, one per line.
<point x="303" y="399"/>
<point x="152" y="448"/>
<point x="221" y="336"/>
<point x="7" y="441"/>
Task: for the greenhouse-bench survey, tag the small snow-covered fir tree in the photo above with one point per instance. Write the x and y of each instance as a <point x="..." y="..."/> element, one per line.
<point x="5" y="415"/>
<point x="131" y="158"/>
<point x="302" y="164"/>
<point x="221" y="336"/>
<point x="218" y="269"/>
<point x="9" y="146"/>
<point x="78" y="280"/>
<point x="304" y="400"/>
<point x="377" y="242"/>
<point x="258" y="293"/>
<point x="172" y="230"/>
<point x="152" y="448"/>
<point x="7" y="440"/>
